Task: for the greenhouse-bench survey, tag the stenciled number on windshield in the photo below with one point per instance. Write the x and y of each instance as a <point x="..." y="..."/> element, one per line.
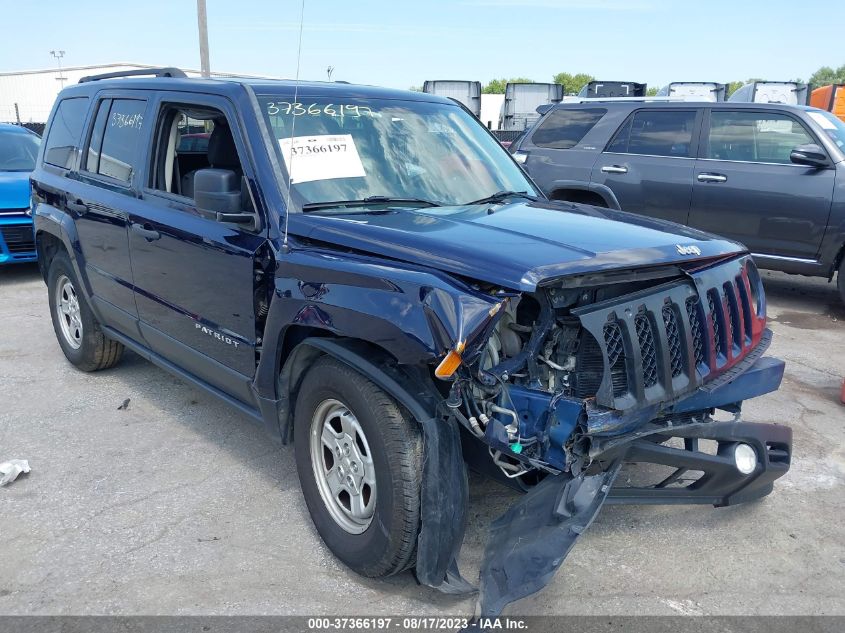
<point x="315" y="109"/>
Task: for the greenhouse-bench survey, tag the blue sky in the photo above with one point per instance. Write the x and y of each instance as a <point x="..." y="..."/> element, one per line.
<point x="402" y="43"/>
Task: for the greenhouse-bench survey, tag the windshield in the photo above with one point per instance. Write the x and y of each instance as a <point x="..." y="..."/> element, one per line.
<point x="346" y="149"/>
<point x="832" y="126"/>
<point x="18" y="151"/>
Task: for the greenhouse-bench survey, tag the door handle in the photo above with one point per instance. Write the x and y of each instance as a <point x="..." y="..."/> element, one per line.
<point x="712" y="178"/>
<point x="78" y="206"/>
<point x="614" y="169"/>
<point x="147" y="233"/>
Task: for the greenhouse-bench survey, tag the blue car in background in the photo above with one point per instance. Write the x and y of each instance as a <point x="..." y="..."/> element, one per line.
<point x="18" y="151"/>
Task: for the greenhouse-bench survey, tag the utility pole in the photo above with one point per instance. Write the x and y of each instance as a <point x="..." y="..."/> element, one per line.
<point x="58" y="55"/>
<point x="202" y="23"/>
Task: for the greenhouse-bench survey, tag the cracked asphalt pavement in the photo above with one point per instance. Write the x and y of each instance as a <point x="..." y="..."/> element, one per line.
<point x="177" y="504"/>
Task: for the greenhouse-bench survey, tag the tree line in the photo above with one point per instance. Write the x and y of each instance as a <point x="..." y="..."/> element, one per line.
<point x="573" y="82"/>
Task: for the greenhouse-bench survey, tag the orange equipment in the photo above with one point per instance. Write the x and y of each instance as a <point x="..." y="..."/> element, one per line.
<point x="830" y="98"/>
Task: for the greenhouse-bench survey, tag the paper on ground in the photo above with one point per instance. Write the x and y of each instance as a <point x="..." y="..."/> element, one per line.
<point x="10" y="470"/>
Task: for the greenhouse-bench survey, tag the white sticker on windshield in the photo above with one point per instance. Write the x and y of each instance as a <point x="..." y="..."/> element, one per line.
<point x="321" y="157"/>
<point x="822" y="120"/>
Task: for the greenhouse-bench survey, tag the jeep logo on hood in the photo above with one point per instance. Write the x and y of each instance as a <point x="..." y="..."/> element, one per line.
<point x="688" y="250"/>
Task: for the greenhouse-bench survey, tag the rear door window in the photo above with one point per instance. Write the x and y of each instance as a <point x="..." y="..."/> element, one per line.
<point x="656" y="133"/>
<point x="116" y="138"/>
<point x="63" y="139"/>
<point x="564" y="128"/>
<point x="763" y="137"/>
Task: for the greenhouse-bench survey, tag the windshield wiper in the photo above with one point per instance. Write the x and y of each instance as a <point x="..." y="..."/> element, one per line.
<point x="370" y="200"/>
<point x="501" y="196"/>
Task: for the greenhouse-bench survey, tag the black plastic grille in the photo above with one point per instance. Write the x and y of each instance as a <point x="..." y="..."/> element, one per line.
<point x="673" y="337"/>
<point x="19" y="239"/>
<point x="648" y="351"/>
<point x="683" y="335"/>
<point x="616" y="358"/>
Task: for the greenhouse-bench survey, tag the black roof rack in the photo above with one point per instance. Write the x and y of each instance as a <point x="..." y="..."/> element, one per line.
<point x="143" y="72"/>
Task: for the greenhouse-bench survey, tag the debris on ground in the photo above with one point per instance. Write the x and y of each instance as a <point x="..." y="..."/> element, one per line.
<point x="10" y="470"/>
<point x="124" y="406"/>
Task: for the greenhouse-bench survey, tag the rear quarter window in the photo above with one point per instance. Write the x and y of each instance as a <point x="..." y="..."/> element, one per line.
<point x="63" y="138"/>
<point x="118" y="134"/>
<point x="656" y="133"/>
<point x="564" y="128"/>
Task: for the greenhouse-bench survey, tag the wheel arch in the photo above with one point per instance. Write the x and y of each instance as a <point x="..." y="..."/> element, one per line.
<point x="583" y="192"/>
<point x="47" y="246"/>
<point x="411" y="387"/>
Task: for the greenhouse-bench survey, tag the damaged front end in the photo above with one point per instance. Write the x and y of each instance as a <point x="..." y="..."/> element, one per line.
<point x="557" y="389"/>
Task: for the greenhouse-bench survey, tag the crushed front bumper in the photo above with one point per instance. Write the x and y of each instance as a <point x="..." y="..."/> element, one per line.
<point x="531" y="540"/>
<point x="720" y="483"/>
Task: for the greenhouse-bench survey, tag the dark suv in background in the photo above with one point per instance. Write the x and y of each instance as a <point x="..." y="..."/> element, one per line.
<point x="770" y="176"/>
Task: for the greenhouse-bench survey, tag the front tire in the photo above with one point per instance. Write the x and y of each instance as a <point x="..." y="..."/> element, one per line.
<point x="359" y="459"/>
<point x="78" y="332"/>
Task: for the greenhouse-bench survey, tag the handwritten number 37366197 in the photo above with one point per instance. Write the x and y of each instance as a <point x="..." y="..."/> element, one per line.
<point x="314" y="109"/>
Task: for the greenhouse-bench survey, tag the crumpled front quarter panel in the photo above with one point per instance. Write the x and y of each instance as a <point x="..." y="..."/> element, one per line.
<point x="414" y="314"/>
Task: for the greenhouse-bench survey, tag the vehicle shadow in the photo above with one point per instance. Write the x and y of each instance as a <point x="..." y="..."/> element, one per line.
<point x="203" y="415"/>
<point x="12" y="275"/>
<point x="803" y="294"/>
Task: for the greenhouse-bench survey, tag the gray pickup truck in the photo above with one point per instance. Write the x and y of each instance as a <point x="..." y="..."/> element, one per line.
<point x="770" y="176"/>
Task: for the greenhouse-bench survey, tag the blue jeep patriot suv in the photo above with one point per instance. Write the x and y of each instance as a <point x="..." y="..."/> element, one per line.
<point x="368" y="273"/>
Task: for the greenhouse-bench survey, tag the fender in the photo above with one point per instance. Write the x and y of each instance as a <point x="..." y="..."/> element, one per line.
<point x="60" y="225"/>
<point x="832" y="248"/>
<point x="579" y="185"/>
<point x="445" y="488"/>
<point x="412" y="314"/>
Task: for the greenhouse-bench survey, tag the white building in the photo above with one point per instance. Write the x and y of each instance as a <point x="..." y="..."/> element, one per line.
<point x="34" y="91"/>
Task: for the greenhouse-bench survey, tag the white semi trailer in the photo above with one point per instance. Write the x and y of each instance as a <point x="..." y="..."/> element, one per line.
<point x="466" y="92"/>
<point x="788" y="92"/>
<point x="519" y="110"/>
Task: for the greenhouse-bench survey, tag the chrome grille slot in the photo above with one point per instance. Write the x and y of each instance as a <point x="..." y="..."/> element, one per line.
<point x="648" y="349"/>
<point x="715" y="316"/>
<point x="697" y="331"/>
<point x="673" y="335"/>
<point x="734" y="318"/>
<point x="616" y="358"/>
<point x="745" y="308"/>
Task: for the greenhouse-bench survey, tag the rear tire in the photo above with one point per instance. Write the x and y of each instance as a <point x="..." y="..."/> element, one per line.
<point x="78" y="332"/>
<point x="359" y="459"/>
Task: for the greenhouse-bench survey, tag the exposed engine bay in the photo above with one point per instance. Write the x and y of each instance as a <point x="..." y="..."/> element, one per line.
<point x="566" y="385"/>
<point x="567" y="364"/>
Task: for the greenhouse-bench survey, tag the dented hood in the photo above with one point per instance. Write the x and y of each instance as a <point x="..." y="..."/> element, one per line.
<point x="515" y="245"/>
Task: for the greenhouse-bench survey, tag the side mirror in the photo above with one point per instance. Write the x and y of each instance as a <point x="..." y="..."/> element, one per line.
<point x="218" y="191"/>
<point x="810" y="155"/>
